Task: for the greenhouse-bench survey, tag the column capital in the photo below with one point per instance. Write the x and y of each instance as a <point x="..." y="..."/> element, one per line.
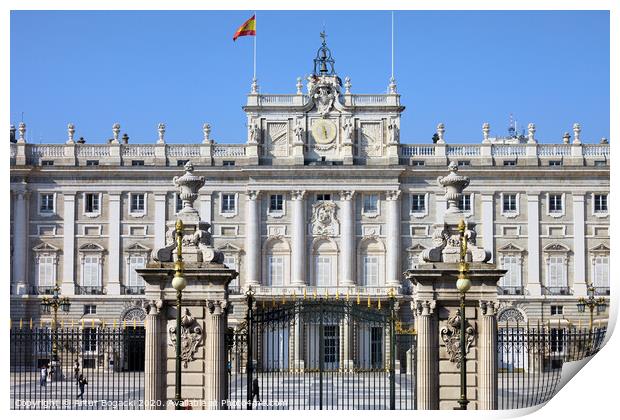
<point x="22" y="193"/>
<point x="217" y="307"/>
<point x="487" y="196"/>
<point x="488" y="307"/>
<point x="298" y="195"/>
<point x="153" y="307"/>
<point x="533" y="197"/>
<point x="392" y="195"/>
<point x="424" y="307"/>
<point x="346" y="195"/>
<point x="252" y="195"/>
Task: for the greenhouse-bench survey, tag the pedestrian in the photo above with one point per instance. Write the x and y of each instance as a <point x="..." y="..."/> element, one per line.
<point x="229" y="367"/>
<point x="44" y="375"/>
<point x="255" y="390"/>
<point x="82" y="382"/>
<point x="76" y="370"/>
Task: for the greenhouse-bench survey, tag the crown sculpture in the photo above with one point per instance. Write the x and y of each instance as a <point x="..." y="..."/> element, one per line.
<point x="446" y="238"/>
<point x="197" y="245"/>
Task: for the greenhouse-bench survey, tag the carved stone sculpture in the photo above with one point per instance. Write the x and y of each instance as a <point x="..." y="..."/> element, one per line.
<point x="324" y="221"/>
<point x="348" y="131"/>
<point x="254" y="132"/>
<point x="188" y="185"/>
<point x="454" y="184"/>
<point x="191" y="337"/>
<point x="71" y="133"/>
<point x="161" y="130"/>
<point x="299" y="132"/>
<point x="451" y="337"/>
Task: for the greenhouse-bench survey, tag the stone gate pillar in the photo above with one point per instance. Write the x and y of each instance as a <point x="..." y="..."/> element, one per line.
<point x="488" y="356"/>
<point x="215" y="359"/>
<point x="152" y="355"/>
<point x="427" y="372"/>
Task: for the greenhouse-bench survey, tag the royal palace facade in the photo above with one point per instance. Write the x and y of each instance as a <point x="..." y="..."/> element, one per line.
<point x="322" y="198"/>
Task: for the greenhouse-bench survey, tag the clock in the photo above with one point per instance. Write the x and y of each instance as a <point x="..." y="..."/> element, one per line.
<point x="324" y="131"/>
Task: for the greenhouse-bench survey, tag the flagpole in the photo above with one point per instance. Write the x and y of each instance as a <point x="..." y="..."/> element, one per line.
<point x="392" y="44"/>
<point x="255" y="36"/>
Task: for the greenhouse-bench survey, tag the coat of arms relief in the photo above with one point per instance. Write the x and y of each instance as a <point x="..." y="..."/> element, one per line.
<point x="324" y="221"/>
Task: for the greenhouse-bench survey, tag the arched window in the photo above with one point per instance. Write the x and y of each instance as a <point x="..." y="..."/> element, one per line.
<point x="325" y="255"/>
<point x="277" y="264"/>
<point x="372" y="262"/>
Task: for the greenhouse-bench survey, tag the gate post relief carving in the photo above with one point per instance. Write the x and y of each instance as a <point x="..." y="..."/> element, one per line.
<point x="450" y="335"/>
<point x="324" y="221"/>
<point x="191" y="337"/>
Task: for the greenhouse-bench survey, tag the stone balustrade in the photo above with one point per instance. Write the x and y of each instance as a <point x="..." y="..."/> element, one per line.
<point x="204" y="154"/>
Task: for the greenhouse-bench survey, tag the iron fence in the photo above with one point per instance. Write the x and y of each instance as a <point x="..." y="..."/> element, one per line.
<point x="530" y="360"/>
<point x="46" y="364"/>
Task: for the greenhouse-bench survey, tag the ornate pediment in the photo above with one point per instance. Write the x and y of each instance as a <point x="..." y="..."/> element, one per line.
<point x="510" y="248"/>
<point x="230" y="248"/>
<point x="45" y="247"/>
<point x="600" y="248"/>
<point x="91" y="248"/>
<point x="137" y="248"/>
<point x="416" y="248"/>
<point x="557" y="247"/>
<point x="324" y="221"/>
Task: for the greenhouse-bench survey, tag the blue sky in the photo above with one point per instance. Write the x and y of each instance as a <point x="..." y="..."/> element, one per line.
<point x="462" y="68"/>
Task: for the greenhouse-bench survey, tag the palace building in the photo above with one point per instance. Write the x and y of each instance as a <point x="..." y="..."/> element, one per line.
<point x="324" y="197"/>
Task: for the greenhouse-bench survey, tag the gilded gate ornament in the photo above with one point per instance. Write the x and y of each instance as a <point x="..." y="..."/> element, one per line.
<point x="191" y="337"/>
<point x="450" y="335"/>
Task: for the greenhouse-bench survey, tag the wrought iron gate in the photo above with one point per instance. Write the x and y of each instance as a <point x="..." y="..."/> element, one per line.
<point x="46" y="364"/>
<point x="321" y="354"/>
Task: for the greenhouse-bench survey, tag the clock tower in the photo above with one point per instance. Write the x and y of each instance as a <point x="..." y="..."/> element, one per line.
<point x="327" y="124"/>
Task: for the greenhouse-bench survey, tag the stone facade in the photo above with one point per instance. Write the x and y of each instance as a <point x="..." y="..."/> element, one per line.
<point x="323" y="194"/>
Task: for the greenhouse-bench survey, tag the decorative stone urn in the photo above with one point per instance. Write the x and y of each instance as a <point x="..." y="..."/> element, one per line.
<point x="454" y="185"/>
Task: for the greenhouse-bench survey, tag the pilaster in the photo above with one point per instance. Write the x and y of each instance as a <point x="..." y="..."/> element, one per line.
<point x="487" y="224"/>
<point x="488" y="374"/>
<point x="153" y="367"/>
<point x="20" y="244"/>
<point x="347" y="240"/>
<point x="216" y="374"/>
<point x="68" y="255"/>
<point x="393" y="239"/>
<point x="427" y="374"/>
<point x="533" y="245"/>
<point x="252" y="239"/>
<point x="160" y="220"/>
<point x="114" y="225"/>
<point x="299" y="238"/>
<point x="579" y="246"/>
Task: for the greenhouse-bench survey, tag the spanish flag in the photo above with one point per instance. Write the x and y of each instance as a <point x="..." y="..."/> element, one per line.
<point x="247" y="29"/>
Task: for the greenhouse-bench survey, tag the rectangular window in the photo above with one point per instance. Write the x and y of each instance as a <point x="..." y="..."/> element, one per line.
<point x="47" y="203"/>
<point x="555" y="163"/>
<point x="510" y="163"/>
<point x="323" y="197"/>
<point x="371" y="203"/>
<point x="323" y="271"/>
<point x="228" y="203"/>
<point x="556" y="273"/>
<point x="510" y="203"/>
<point x="555" y="203"/>
<point x="135" y="262"/>
<point x="417" y="163"/>
<point x="89" y="339"/>
<point x="92" y="163"/>
<point x="331" y="342"/>
<point x="600" y="203"/>
<point x="557" y="340"/>
<point x="465" y="202"/>
<point x="90" y="309"/>
<point x="376" y="347"/>
<point x="230" y="261"/>
<point x="46" y="271"/>
<point x="557" y="310"/>
<point x="418" y="203"/>
<point x="91" y="271"/>
<point x="47" y="163"/>
<point x="182" y="162"/>
<point x="599" y="163"/>
<point x="276" y="203"/>
<point x="92" y="202"/>
<point x="463" y="163"/>
<point x="276" y="270"/>
<point x="371" y="270"/>
<point x="178" y="203"/>
<point x="511" y="279"/>
<point x="601" y="271"/>
<point x="137" y="203"/>
<point x="137" y="163"/>
<point x="228" y="163"/>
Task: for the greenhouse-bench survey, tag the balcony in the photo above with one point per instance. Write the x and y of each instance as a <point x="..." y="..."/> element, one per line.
<point x="556" y="291"/>
<point x="132" y="290"/>
<point x="601" y="291"/>
<point x="89" y="290"/>
<point x="42" y="290"/>
<point x="321" y="291"/>
<point x="509" y="290"/>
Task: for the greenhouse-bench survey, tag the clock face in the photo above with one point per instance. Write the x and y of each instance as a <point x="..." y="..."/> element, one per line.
<point x="324" y="131"/>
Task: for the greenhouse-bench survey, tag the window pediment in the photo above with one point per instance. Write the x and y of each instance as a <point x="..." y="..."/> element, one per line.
<point x="230" y="248"/>
<point x="557" y="247"/>
<point x="45" y="247"/>
<point x="416" y="248"/>
<point x="91" y="248"/>
<point x="137" y="248"/>
<point x="511" y="248"/>
<point x="600" y="249"/>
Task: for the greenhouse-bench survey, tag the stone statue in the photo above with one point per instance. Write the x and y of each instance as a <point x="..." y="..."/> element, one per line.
<point x="531" y="130"/>
<point x="486" y="130"/>
<point x="393" y="128"/>
<point x="116" y="129"/>
<point x="206" y="131"/>
<point x="254" y="131"/>
<point x="161" y="130"/>
<point x="348" y="131"/>
<point x="299" y="132"/>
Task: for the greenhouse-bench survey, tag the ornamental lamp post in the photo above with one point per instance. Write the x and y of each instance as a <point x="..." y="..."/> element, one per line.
<point x="54" y="303"/>
<point x="463" y="284"/>
<point x="591" y="303"/>
<point x="179" y="283"/>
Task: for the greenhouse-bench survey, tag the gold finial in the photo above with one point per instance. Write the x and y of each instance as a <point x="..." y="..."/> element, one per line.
<point x="263" y="304"/>
<point x="273" y="301"/>
<point x="103" y="323"/>
<point x="305" y="294"/>
<point x="347" y="295"/>
<point x="62" y="324"/>
<point x="21" y="323"/>
<point x="178" y="225"/>
<point x="114" y="324"/>
<point x="314" y="294"/>
<point x="31" y="324"/>
<point x="337" y="294"/>
<point x="391" y="293"/>
<point x="326" y="294"/>
<point x="461" y="226"/>
<point x="283" y="297"/>
<point x="358" y="298"/>
<point x="134" y="323"/>
<point x="379" y="304"/>
<point x="82" y="323"/>
<point x="369" y="301"/>
<point x="294" y="295"/>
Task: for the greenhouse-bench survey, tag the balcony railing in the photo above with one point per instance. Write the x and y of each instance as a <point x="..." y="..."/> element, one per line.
<point x="509" y="290"/>
<point x="89" y="290"/>
<point x="557" y="291"/>
<point x="183" y="150"/>
<point x="321" y="291"/>
<point x="42" y="290"/>
<point x="508" y="150"/>
<point x="132" y="290"/>
<point x="407" y="150"/>
<point x="601" y="291"/>
<point x="138" y="150"/>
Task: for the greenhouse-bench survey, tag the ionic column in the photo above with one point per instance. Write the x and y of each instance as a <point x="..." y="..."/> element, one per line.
<point x="68" y="252"/>
<point x="20" y="237"/>
<point x="533" y="245"/>
<point x="252" y="239"/>
<point x="347" y="239"/>
<point x="299" y="238"/>
<point x="488" y="356"/>
<point x="114" y="226"/>
<point x="298" y="355"/>
<point x="393" y="239"/>
<point x="487" y="224"/>
<point x="153" y="370"/>
<point x="216" y="374"/>
<point x="347" y="359"/>
<point x="160" y="220"/>
<point x="428" y="361"/>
